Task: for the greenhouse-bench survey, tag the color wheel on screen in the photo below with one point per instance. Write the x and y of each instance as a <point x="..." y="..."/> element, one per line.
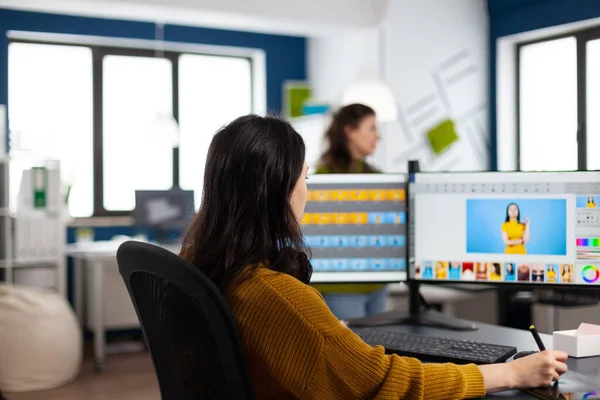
<point x="590" y="274"/>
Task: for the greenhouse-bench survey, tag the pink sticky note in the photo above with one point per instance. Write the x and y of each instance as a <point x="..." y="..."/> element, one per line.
<point x="588" y="330"/>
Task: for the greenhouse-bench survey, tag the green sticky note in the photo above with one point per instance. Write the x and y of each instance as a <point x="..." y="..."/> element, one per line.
<point x="296" y="94"/>
<point x="442" y="136"/>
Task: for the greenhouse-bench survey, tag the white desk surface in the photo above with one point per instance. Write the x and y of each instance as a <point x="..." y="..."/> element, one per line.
<point x="105" y="248"/>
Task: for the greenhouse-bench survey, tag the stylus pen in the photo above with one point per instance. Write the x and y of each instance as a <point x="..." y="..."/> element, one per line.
<point x="538" y="340"/>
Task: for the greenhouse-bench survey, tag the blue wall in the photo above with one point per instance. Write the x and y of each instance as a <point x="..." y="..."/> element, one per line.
<point x="508" y="17"/>
<point x="285" y="55"/>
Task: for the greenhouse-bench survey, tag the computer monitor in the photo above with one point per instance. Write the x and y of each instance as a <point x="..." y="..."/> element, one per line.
<point x="458" y="231"/>
<point x="519" y="228"/>
<point x="355" y="225"/>
<point x="169" y="211"/>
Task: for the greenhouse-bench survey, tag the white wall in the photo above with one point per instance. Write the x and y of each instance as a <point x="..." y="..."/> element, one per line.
<point x="435" y="61"/>
<point x="307" y="17"/>
<point x="336" y="61"/>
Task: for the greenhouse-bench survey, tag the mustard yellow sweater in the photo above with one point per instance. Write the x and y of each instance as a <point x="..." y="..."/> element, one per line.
<point x="297" y="349"/>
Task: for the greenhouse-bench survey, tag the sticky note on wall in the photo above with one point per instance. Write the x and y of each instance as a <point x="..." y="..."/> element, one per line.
<point x="442" y="136"/>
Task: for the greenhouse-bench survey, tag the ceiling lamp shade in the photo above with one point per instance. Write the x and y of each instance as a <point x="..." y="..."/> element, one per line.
<point x="375" y="94"/>
<point x="164" y="129"/>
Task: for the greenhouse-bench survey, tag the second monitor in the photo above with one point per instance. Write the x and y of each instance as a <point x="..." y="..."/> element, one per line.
<point x="522" y="228"/>
<point x="355" y="225"/>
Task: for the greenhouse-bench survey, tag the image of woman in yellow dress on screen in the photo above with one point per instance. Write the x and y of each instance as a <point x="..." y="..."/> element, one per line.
<point x="566" y="276"/>
<point x="495" y="272"/>
<point x="515" y="234"/>
<point x="441" y="270"/>
<point x="551" y="274"/>
<point x="591" y="203"/>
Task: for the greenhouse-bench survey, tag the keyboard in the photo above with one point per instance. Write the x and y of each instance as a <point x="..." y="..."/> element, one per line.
<point x="436" y="349"/>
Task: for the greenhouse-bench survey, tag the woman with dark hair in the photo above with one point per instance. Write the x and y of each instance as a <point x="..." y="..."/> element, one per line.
<point x="271" y="234"/>
<point x="246" y="238"/>
<point x="509" y="274"/>
<point x="515" y="234"/>
<point x="351" y="138"/>
<point x="495" y="272"/>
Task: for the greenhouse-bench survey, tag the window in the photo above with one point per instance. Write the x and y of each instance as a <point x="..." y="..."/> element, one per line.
<point x="548" y="106"/>
<point x="558" y="87"/>
<point x="212" y="91"/>
<point x="95" y="109"/>
<point x="51" y="116"/>
<point x="593" y="104"/>
<point x="134" y="90"/>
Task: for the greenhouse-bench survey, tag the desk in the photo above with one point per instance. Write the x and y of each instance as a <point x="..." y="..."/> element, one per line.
<point x="94" y="256"/>
<point x="445" y="295"/>
<point x="521" y="339"/>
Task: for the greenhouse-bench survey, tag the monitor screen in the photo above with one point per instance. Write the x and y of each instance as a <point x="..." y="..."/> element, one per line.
<point x="172" y="208"/>
<point x="505" y="227"/>
<point x="355" y="225"/>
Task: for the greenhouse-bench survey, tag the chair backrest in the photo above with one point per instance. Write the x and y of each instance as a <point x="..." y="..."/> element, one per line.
<point x="189" y="328"/>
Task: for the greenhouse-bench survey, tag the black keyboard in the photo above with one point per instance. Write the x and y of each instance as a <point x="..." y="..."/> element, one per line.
<point x="436" y="349"/>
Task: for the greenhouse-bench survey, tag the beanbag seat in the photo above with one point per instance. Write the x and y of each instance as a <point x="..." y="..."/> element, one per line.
<point x="41" y="345"/>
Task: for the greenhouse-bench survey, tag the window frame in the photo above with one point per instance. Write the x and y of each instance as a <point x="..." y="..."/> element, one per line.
<point x="168" y="50"/>
<point x="581" y="36"/>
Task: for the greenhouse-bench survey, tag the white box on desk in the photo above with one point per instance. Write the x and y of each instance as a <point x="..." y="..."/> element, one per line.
<point x="577" y="346"/>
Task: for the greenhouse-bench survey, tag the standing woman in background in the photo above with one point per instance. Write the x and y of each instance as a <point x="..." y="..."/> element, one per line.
<point x="352" y="137"/>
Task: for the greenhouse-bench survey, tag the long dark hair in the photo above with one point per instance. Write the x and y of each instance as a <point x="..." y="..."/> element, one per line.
<point x="497" y="268"/>
<point x="246" y="218"/>
<point x="518" y="214"/>
<point x="337" y="157"/>
<point x="512" y="268"/>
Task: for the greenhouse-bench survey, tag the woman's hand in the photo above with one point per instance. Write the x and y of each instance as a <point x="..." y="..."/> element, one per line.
<point x="526" y="220"/>
<point x="539" y="369"/>
<point x="536" y="370"/>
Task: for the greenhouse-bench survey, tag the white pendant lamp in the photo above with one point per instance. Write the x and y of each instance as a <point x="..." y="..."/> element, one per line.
<point x="164" y="129"/>
<point x="374" y="93"/>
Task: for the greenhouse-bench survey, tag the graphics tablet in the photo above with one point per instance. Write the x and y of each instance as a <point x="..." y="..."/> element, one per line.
<point x="572" y="386"/>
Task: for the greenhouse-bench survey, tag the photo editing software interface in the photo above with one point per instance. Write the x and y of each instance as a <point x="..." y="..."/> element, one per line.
<point x="509" y="227"/>
<point x="355" y="225"/>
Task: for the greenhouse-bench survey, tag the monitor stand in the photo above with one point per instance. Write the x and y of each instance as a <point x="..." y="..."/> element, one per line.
<point x="420" y="313"/>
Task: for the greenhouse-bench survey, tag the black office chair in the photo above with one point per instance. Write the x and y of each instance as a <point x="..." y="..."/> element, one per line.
<point x="190" y="331"/>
